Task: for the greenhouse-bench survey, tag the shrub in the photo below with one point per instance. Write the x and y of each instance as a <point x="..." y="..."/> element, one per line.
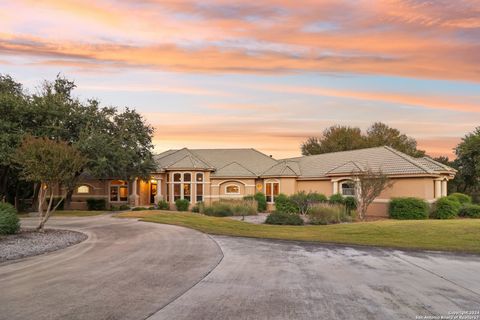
<point x="96" y="204"/>
<point x="470" y="211"/>
<point x="261" y="201"/>
<point x="284" y="218"/>
<point x="408" y="208"/>
<point x="139" y="209"/>
<point x="460" y="197"/>
<point x="327" y="213"/>
<point x="9" y="222"/>
<point x="303" y="201"/>
<point x="446" y="208"/>
<point x="152" y="208"/>
<point x="351" y="204"/>
<point x="124" y="207"/>
<point x="163" y="205"/>
<point x="336" y="198"/>
<point x="224" y="208"/>
<point x="196" y="207"/>
<point x="182" y="204"/>
<point x="284" y="204"/>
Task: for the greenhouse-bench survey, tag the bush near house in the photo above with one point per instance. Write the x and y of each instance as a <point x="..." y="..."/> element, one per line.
<point x="303" y="201"/>
<point x="140" y="209"/>
<point x="96" y="204"/>
<point x="470" y="211"/>
<point x="460" y="197"/>
<point x="197" y="207"/>
<point x="225" y="208"/>
<point x="336" y="198"/>
<point x="446" y="208"/>
<point x="261" y="201"/>
<point x="283" y="218"/>
<point x="283" y="203"/>
<point x="328" y="213"/>
<point x="408" y="208"/>
<point x="163" y="205"/>
<point x="182" y="204"/>
<point x="351" y="204"/>
<point x="9" y="222"/>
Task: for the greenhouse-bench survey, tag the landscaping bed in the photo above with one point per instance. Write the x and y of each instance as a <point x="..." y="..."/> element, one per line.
<point x="28" y="242"/>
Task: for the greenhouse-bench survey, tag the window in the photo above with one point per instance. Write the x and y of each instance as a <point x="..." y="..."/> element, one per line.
<point x="83" y="189"/>
<point x="232" y="189"/>
<point x="168" y="188"/>
<point x="118" y="190"/>
<point x="272" y="189"/>
<point x="348" y="188"/>
<point x="199" y="186"/>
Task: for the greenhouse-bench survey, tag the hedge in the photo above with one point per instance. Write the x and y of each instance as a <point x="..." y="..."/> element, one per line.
<point x="446" y="208"/>
<point x="460" y="197"/>
<point x="9" y="222"/>
<point x="163" y="205"/>
<point x="283" y="218"/>
<point x="408" y="208"/>
<point x="96" y="204"/>
<point x="336" y="198"/>
<point x="470" y="211"/>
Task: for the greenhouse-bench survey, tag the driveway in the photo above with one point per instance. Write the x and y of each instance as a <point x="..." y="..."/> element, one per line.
<point x="262" y="279"/>
<point x="124" y="270"/>
<point x="135" y="270"/>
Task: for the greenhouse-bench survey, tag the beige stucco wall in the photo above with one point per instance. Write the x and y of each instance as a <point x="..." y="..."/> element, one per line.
<point x="410" y="187"/>
<point x="321" y="186"/>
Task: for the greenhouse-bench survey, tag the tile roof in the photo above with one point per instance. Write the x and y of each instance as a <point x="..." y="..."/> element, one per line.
<point x="252" y="163"/>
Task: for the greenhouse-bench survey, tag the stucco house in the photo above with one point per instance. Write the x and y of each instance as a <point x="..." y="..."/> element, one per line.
<point x="208" y="175"/>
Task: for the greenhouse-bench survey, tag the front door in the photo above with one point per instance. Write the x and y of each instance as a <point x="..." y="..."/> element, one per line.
<point x="153" y="192"/>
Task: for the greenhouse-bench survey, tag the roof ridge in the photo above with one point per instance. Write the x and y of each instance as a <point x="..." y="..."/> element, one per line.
<point x="343" y="164"/>
<point x="235" y="162"/>
<point x="409" y="159"/>
<point x="334" y="152"/>
<point x="263" y="154"/>
<point x="199" y="158"/>
<point x="186" y="156"/>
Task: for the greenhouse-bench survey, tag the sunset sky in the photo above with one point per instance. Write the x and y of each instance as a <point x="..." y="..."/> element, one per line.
<point x="263" y="74"/>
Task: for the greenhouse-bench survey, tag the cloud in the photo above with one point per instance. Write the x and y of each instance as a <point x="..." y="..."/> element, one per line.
<point x="389" y="37"/>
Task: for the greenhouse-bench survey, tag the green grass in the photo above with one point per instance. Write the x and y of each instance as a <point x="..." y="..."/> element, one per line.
<point x="70" y="213"/>
<point x="447" y="235"/>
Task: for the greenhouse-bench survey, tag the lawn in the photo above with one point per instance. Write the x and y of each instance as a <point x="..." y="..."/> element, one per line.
<point x="448" y="235"/>
<point x="70" y="213"/>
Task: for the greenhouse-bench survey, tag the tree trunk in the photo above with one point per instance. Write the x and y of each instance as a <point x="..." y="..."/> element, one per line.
<point x="35" y="198"/>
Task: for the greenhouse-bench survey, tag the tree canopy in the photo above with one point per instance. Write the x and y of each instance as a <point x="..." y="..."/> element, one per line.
<point x="116" y="143"/>
<point x="344" y="138"/>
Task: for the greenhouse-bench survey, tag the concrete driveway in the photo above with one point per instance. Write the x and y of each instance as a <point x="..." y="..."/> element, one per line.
<point x="125" y="270"/>
<point x="135" y="270"/>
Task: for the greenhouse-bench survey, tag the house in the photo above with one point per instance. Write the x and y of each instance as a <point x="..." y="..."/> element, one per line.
<point x="207" y="175"/>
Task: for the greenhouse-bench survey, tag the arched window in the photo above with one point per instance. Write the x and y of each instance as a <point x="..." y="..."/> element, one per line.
<point x="348" y="188"/>
<point x="232" y="189"/>
<point x="272" y="189"/>
<point x="84" y="189"/>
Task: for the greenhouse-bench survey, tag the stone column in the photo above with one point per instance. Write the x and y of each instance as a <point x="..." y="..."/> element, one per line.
<point x="438" y="189"/>
<point x="158" y="196"/>
<point x="335" y="187"/>
<point x="134" y="196"/>
<point x="444" y="188"/>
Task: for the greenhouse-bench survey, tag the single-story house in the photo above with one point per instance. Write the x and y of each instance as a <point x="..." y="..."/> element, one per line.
<point x="207" y="175"/>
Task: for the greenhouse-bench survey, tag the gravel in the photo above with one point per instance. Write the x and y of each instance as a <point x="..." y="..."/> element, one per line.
<point x="28" y="242"/>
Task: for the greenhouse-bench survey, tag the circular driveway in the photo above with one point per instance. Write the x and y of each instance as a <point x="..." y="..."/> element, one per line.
<point x="125" y="270"/>
<point x="135" y="270"/>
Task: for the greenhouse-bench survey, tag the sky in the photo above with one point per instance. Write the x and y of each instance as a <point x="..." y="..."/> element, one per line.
<point x="261" y="74"/>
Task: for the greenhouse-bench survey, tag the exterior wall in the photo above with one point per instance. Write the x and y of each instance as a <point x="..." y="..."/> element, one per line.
<point x="218" y="189"/>
<point x="321" y="186"/>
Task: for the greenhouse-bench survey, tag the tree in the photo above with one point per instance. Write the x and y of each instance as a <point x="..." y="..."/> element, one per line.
<point x="468" y="163"/>
<point x="379" y="134"/>
<point x="52" y="164"/>
<point x="370" y="185"/>
<point x="343" y="138"/>
<point x="335" y="138"/>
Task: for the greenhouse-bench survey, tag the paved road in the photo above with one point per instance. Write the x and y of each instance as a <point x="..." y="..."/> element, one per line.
<point x="125" y="270"/>
<point x="130" y="270"/>
<point x="261" y="279"/>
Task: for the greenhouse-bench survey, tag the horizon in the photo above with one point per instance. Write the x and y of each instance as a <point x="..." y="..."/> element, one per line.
<point x="264" y="76"/>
